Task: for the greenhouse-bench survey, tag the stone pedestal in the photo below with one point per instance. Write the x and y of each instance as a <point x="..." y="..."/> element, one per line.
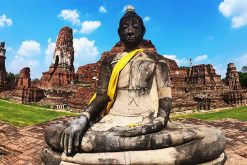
<point x="205" y="148"/>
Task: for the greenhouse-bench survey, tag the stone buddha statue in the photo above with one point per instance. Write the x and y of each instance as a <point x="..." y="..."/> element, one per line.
<point x="127" y="120"/>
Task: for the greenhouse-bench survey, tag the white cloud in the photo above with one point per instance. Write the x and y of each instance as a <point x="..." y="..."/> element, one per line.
<point x="85" y="51"/>
<point x="71" y="16"/>
<point x="20" y="62"/>
<point x="29" y="48"/>
<point x="102" y="9"/>
<point x="200" y="58"/>
<point x="180" y="62"/>
<point x="221" y="70"/>
<point x="4" y="21"/>
<point x="240" y="61"/>
<point x="236" y="10"/>
<point x="86" y="27"/>
<point x="26" y="56"/>
<point x="49" y="52"/>
<point x="146" y="19"/>
<point x="89" y="26"/>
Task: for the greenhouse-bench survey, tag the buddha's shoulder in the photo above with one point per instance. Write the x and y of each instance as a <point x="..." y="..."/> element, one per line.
<point x="154" y="56"/>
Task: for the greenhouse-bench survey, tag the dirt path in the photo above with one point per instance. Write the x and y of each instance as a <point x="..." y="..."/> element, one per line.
<point x="22" y="146"/>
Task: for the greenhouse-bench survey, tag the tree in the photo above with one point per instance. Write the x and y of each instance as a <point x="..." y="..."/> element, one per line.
<point x="12" y="79"/>
<point x="243" y="79"/>
<point x="244" y="69"/>
<point x="35" y="81"/>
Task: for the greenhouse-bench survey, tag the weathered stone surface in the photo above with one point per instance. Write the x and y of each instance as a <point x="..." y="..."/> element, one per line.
<point x="204" y="150"/>
<point x="88" y="74"/>
<point x="50" y="157"/>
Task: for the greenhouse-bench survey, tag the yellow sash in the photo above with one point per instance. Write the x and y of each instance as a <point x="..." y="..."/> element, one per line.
<point x="112" y="86"/>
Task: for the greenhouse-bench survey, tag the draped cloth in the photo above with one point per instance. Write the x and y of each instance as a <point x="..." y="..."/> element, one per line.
<point x="112" y="86"/>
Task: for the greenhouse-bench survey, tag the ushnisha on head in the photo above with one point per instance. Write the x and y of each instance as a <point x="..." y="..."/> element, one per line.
<point x="131" y="28"/>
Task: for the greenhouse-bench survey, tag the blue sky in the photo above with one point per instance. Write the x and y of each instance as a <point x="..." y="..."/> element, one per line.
<point x="208" y="31"/>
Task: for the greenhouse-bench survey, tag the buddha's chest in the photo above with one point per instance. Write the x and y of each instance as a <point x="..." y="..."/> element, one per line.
<point x="137" y="74"/>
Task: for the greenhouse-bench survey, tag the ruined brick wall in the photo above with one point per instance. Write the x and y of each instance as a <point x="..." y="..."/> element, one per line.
<point x="88" y="73"/>
<point x="203" y="74"/>
<point x="24" y="79"/>
<point x="26" y="94"/>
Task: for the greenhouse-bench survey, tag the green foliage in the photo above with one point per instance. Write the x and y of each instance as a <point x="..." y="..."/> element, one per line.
<point x="25" y="115"/>
<point x="185" y="67"/>
<point x="244" y="69"/>
<point x="243" y="79"/>
<point x="239" y="113"/>
<point x="34" y="81"/>
<point x="11" y="79"/>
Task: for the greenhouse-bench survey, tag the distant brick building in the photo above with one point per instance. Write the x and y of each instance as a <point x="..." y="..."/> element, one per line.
<point x="3" y="73"/>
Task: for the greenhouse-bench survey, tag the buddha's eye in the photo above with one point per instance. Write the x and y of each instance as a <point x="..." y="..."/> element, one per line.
<point x="136" y="25"/>
<point x="125" y="26"/>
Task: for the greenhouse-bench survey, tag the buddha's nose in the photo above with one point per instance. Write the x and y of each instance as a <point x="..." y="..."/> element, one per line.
<point x="130" y="31"/>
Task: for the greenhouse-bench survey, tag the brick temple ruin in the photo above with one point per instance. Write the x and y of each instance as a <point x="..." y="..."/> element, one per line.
<point x="61" y="71"/>
<point x="3" y="82"/>
<point x="195" y="87"/>
<point x="24" y="91"/>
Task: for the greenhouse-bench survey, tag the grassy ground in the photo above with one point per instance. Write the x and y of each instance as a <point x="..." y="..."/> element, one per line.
<point x="25" y="115"/>
<point x="239" y="113"/>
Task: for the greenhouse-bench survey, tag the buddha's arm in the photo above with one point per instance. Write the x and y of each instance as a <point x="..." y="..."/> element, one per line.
<point x="164" y="90"/>
<point x="96" y="107"/>
<point x="72" y="135"/>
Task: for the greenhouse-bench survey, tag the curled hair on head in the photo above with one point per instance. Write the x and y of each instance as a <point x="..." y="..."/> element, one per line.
<point x="132" y="14"/>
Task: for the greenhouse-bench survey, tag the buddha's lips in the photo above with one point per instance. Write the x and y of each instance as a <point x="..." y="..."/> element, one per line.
<point x="130" y="38"/>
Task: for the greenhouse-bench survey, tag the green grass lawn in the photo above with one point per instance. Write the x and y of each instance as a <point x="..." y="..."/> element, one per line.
<point x="24" y="115"/>
<point x="239" y="113"/>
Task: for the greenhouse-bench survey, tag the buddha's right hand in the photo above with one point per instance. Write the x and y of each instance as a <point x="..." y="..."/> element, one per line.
<point x="126" y="131"/>
<point x="72" y="135"/>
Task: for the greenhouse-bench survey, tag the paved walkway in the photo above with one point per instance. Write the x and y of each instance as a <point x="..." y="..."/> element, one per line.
<point x="23" y="146"/>
<point x="236" y="136"/>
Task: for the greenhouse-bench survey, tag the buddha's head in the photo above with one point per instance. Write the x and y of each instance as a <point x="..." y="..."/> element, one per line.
<point x="131" y="28"/>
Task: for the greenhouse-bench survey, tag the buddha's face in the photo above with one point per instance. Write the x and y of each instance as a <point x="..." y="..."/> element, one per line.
<point x="131" y="31"/>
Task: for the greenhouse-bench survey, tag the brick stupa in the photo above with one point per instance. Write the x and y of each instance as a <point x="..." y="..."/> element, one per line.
<point x="61" y="71"/>
<point x="232" y="78"/>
